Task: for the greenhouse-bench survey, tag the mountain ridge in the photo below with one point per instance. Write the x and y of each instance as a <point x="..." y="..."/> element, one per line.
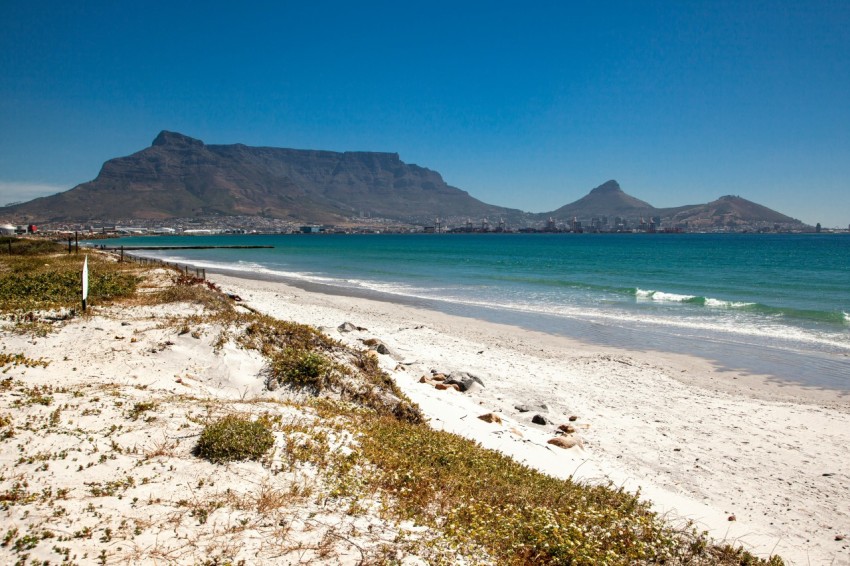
<point x="178" y="176"/>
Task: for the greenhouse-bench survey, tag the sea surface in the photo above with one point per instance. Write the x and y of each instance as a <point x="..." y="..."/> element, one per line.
<point x="766" y="304"/>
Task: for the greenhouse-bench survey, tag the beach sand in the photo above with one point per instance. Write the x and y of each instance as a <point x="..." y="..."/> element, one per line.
<point x="702" y="445"/>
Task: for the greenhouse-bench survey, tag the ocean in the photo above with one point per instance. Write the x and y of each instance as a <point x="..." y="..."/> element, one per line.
<point x="767" y="304"/>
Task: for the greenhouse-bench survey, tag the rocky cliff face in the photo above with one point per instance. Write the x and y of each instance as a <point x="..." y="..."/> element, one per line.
<point x="178" y="176"/>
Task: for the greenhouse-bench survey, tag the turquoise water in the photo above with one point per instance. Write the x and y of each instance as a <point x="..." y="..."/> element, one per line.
<point x="775" y="304"/>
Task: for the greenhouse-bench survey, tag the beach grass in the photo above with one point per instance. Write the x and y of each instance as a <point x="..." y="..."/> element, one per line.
<point x="42" y="275"/>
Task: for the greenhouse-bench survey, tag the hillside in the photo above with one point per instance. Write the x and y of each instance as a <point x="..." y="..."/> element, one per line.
<point x="727" y="211"/>
<point x="178" y="176"/>
<point x="608" y="199"/>
<point x="608" y="202"/>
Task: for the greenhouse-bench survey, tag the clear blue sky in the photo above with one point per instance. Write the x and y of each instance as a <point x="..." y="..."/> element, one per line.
<point x="527" y="105"/>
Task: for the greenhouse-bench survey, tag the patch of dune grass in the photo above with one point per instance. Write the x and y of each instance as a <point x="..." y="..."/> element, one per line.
<point x="234" y="438"/>
<point x="494" y="509"/>
<point x="43" y="276"/>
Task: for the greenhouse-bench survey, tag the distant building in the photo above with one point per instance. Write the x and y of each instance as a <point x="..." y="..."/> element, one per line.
<point x="310" y="229"/>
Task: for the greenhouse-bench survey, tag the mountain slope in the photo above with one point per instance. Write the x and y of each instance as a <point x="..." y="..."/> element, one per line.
<point x="608" y="199"/>
<point x="727" y="211"/>
<point x="179" y="176"/>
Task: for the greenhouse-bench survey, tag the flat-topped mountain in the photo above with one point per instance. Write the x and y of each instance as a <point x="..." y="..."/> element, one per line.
<point x="182" y="177"/>
<point x="179" y="176"/>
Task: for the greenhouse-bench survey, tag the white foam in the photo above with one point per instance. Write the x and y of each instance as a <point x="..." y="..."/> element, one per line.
<point x="662" y="297"/>
<point x="717" y="303"/>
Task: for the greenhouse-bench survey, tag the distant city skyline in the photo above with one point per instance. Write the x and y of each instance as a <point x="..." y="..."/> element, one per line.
<point x="527" y="107"/>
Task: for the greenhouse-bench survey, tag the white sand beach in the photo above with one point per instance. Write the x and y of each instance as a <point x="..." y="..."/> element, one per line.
<point x="701" y="444"/>
<point x="751" y="462"/>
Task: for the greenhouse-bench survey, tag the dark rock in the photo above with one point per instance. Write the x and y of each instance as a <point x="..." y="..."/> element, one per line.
<point x="568" y="429"/>
<point x="540" y="419"/>
<point x="573" y="418"/>
<point x="376" y="345"/>
<point x="466" y="381"/>
<point x="346" y="327"/>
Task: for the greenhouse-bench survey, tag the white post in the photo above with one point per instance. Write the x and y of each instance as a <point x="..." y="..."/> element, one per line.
<point x="85" y="281"/>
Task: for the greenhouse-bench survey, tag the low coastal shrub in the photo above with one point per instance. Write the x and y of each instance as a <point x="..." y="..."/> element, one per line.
<point x="195" y="290"/>
<point x="302" y="368"/>
<point x="38" y="280"/>
<point x="303" y="357"/>
<point x="496" y="510"/>
<point x="29" y="246"/>
<point x="271" y="336"/>
<point x="234" y="437"/>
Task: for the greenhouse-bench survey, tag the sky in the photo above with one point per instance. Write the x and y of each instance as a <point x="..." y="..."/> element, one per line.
<point x="526" y="105"/>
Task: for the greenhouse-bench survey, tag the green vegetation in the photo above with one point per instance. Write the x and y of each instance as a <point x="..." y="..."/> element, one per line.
<point x="29" y="246"/>
<point x="11" y="360"/>
<point x="41" y="275"/>
<point x="234" y="437"/>
<point x="485" y="506"/>
<point x="302" y="368"/>
<point x="140" y="408"/>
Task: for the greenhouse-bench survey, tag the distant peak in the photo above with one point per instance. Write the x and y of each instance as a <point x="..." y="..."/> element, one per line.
<point x="175" y="139"/>
<point x="611" y="186"/>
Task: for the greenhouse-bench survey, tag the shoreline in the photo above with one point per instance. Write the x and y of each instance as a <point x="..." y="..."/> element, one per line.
<point x="701" y="443"/>
<point x="800" y="367"/>
<point x="711" y="374"/>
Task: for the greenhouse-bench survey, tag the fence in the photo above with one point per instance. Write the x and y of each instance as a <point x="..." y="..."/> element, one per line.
<point x="199" y="272"/>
